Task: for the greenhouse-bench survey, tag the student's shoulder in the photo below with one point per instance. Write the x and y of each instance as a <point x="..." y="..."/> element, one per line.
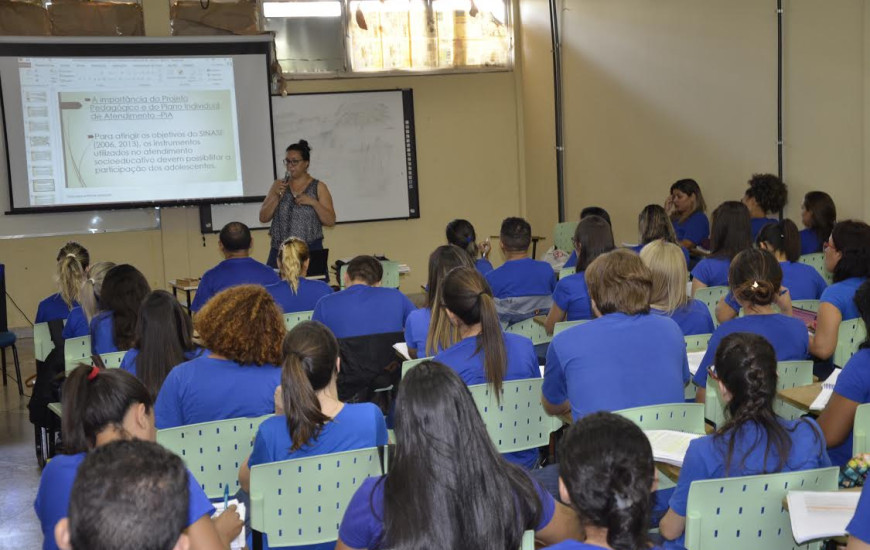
<point x="275" y="424"/>
<point x="517" y="341"/>
<point x="315" y="286"/>
<point x="62" y="466"/>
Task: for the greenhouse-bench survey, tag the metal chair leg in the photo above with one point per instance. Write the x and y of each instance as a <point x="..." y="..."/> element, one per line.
<point x="17" y="370"/>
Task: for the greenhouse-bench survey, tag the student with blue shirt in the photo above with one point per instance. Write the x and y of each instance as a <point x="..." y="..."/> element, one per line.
<point x="753" y="440"/>
<point x="70" y="273"/>
<point x="99" y="407"/>
<point x="626" y="357"/>
<point x="447" y="486"/>
<point x="461" y="233"/>
<point x="859" y="527"/>
<point x="767" y="194"/>
<point x="685" y="206"/>
<point x="818" y="216"/>
<point x="592" y="238"/>
<point x="484" y="354"/>
<point x="363" y="307"/>
<point x="78" y="322"/>
<point x="847" y="256"/>
<point x="242" y="329"/>
<point x="730" y="235"/>
<point x="238" y="268"/>
<point x="585" y="213"/>
<point x="756" y="278"/>
<point x="653" y="225"/>
<point x="114" y="328"/>
<point x="294" y="292"/>
<point x="310" y="419"/>
<point x="668" y="297"/>
<point x="852" y="389"/>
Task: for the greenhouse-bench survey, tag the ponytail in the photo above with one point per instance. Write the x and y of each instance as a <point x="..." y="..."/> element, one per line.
<point x="89" y="294"/>
<point x="294" y="253"/>
<point x="781" y="237"/>
<point x="72" y="261"/>
<point x="461" y="233"/>
<point x="755" y="277"/>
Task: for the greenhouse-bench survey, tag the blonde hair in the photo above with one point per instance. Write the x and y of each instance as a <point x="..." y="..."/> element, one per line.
<point x="293" y="253"/>
<point x="89" y="294"/>
<point x="619" y="283"/>
<point x="667" y="263"/>
<point x="72" y="261"/>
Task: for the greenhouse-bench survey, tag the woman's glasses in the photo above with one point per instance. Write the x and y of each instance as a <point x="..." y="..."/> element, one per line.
<point x="292" y="162"/>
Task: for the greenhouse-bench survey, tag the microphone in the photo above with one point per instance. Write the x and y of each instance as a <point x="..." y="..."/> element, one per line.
<point x="286" y="177"/>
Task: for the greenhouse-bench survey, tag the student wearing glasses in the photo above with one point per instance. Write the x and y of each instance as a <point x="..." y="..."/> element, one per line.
<point x="298" y="205"/>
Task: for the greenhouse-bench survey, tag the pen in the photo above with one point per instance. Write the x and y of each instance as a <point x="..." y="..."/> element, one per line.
<point x="226" y="496"/>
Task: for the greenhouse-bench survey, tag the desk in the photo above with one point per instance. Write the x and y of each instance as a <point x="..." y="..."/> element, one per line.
<point x="534" y="243"/>
<point x="186" y="285"/>
<point x="673" y="472"/>
<point x="802" y="396"/>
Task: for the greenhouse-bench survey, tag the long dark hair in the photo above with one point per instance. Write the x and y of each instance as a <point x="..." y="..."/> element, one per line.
<point x="441" y="261"/>
<point x="94" y="399"/>
<point x="448" y="487"/>
<point x="823" y="212"/>
<point x="467" y="295"/>
<point x="783" y="237"/>
<point x="653" y="224"/>
<point x="852" y="239"/>
<point x="164" y="334"/>
<point x="731" y="230"/>
<point x="461" y="233"/>
<point x="122" y="293"/>
<point x="310" y="355"/>
<point x="862" y="300"/>
<point x="691" y="188"/>
<point x="755" y="277"/>
<point x="594" y="236"/>
<point x="607" y="467"/>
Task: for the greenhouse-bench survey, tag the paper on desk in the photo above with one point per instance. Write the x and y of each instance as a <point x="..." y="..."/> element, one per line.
<point x="695" y="358"/>
<point x="669" y="446"/>
<point x="239" y="542"/>
<point x="402" y="348"/>
<point x="542" y="370"/>
<point x="820" y="514"/>
<point x="827" y="391"/>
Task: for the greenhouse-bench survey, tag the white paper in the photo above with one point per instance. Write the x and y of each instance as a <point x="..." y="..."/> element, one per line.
<point x="542" y="370"/>
<point x="670" y="446"/>
<point x="695" y="358"/>
<point x="824" y="396"/>
<point x="822" y="514"/>
<point x="239" y="542"/>
<point x="402" y="348"/>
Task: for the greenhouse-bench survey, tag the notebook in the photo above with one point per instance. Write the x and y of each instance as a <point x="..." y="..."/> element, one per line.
<point x="695" y="358"/>
<point x="239" y="542"/>
<point x="820" y="514"/>
<point x="808" y="317"/>
<point x="670" y="446"/>
<point x="827" y="391"/>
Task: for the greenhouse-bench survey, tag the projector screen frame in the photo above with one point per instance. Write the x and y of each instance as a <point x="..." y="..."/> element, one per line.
<point x="135" y="47"/>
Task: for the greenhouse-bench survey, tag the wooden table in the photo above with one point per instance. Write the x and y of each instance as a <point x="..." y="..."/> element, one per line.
<point x="802" y="396"/>
<point x="186" y="285"/>
<point x="673" y="472"/>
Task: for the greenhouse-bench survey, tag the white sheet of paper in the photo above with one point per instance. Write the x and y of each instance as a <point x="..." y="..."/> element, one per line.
<point x="669" y="446"/>
<point x="402" y="348"/>
<point x="824" y="396"/>
<point x="695" y="358"/>
<point x="239" y="542"/>
<point x="822" y="514"/>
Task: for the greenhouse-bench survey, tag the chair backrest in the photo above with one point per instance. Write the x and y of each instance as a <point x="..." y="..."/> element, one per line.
<point x="532" y="330"/>
<point x="565" y="325"/>
<point x="710" y="296"/>
<point x="697" y="342"/>
<point x="681" y="417"/>
<point x="411" y="363"/>
<point x="293" y="319"/>
<point x="849" y="337"/>
<point x="714" y="408"/>
<point x="566" y="271"/>
<point x="563" y="236"/>
<point x="747" y="512"/>
<point x="791" y="374"/>
<point x="817" y="260"/>
<point x="42" y="344"/>
<point x="528" y="541"/>
<point x="519" y="421"/>
<point x="113" y="360"/>
<point x="302" y="501"/>
<point x="389" y="280"/>
<point x="75" y="351"/>
<point x="861" y="431"/>
<point x="809" y="305"/>
<point x="213" y="451"/>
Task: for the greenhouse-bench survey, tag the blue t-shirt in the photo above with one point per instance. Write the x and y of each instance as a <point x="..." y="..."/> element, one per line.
<point x="576" y="545"/>
<point x="712" y="271"/>
<point x="853" y="384"/>
<point x="310" y="291"/>
<point x="207" y="389"/>
<point x="802" y="281"/>
<point x="787" y="335"/>
<point x="103" y="333"/>
<point x="572" y="260"/>
<point x="810" y="243"/>
<point x="572" y="297"/>
<point x="53" y="308"/>
<point x="522" y="277"/>
<point x="859" y="527"/>
<point x="757" y="223"/>
<point x="842" y="296"/>
<point x="128" y="363"/>
<point x="363" y="523"/>
<point x="417" y="329"/>
<point x="356" y="426"/>
<point x="55" y="486"/>
<point x="76" y="324"/>
<point x="232" y="272"/>
<point x="360" y="310"/>
<point x="696" y="228"/>
<point x="483" y="265"/>
<point x="615" y="362"/>
<point x="692" y="318"/>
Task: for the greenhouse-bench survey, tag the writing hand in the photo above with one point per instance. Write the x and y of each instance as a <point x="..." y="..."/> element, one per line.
<point x="485" y="247"/>
<point x="229" y="524"/>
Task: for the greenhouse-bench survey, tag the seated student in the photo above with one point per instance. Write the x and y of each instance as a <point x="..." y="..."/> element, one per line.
<point x="818" y="216"/>
<point x="363" y="307"/>
<point x="626" y="357"/>
<point x="607" y="473"/>
<point x="242" y="329"/>
<point x="294" y="292"/>
<point x="99" y="407"/>
<point x="730" y="235"/>
<point x="461" y="233"/>
<point x="127" y="493"/>
<point x="852" y="389"/>
<point x="114" y="328"/>
<point x="585" y="213"/>
<point x="446" y="472"/>
<point x="653" y="225"/>
<point x="802" y="281"/>
<point x="441" y="261"/>
<point x="592" y="238"/>
<point x="71" y="269"/>
<point x="859" y="527"/>
<point x="485" y="354"/>
<point x="754" y="440"/>
<point x="767" y="194"/>
<point x="685" y="206"/>
<point x="238" y="268"/>
<point x="847" y="256"/>
<point x="164" y="339"/>
<point x="668" y="297"/>
<point x="310" y="419"/>
<point x="756" y="278"/>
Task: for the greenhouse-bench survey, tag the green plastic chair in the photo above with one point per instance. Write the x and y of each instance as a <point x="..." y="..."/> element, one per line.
<point x="861" y="430"/>
<point x="532" y="330"/>
<point x="528" y="541"/>
<point x="695" y="342"/>
<point x="849" y="337"/>
<point x="293" y="319"/>
<point x="566" y="271"/>
<point x="213" y="451"/>
<point x="565" y="325"/>
<point x="113" y="360"/>
<point x="389" y="280"/>
<point x="711" y="296"/>
<point x="791" y="374"/>
<point x="42" y="344"/>
<point x="809" y="305"/>
<point x="563" y="236"/>
<point x="519" y="421"/>
<point x="680" y="417"/>
<point x="408" y="365"/>
<point x="75" y="351"/>
<point x="302" y="501"/>
<point x="817" y="260"/>
<point x="747" y="512"/>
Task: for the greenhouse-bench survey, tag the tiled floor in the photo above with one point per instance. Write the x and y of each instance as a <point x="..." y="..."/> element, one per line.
<point x="19" y="471"/>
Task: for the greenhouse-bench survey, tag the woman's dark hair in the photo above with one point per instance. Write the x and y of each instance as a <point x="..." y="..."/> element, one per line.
<point x="653" y="224"/>
<point x="302" y="148"/>
<point x="441" y="261"/>
<point x="782" y="236"/>
<point x="731" y="230"/>
<point x="768" y="191"/>
<point x="461" y="233"/>
<point x="823" y="213"/>
<point x="596" y="211"/>
<point x="94" y="400"/>
<point x="852" y="239"/>
<point x="122" y="293"/>
<point x="690" y="187"/>
<point x="467" y="295"/>
<point x="594" y="236"/>
<point x="310" y="356"/>
<point x="448" y="487"/>
<point x="607" y="466"/>
<point x="862" y="300"/>
<point x="755" y="277"/>
<point x="164" y="334"/>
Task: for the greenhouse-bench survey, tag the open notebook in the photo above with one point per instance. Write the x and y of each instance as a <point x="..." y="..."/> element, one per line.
<point x="670" y="446"/>
<point x="808" y="317"/>
<point x="827" y="391"/>
<point x="239" y="542"/>
<point x="821" y="514"/>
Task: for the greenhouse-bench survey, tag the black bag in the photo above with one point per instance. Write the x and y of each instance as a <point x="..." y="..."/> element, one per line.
<point x="368" y="363"/>
<point x="49" y="379"/>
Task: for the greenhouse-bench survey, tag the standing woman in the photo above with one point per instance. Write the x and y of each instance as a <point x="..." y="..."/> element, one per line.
<point x="461" y="233"/>
<point x="767" y="194"/>
<point x="731" y="234"/>
<point x="72" y="266"/>
<point x="294" y="292"/>
<point x="298" y="205"/>
<point x="686" y="207"/>
<point x="818" y="216"/>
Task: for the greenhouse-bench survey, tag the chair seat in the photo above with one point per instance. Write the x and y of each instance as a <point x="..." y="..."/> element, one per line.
<point x="7" y="339"/>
